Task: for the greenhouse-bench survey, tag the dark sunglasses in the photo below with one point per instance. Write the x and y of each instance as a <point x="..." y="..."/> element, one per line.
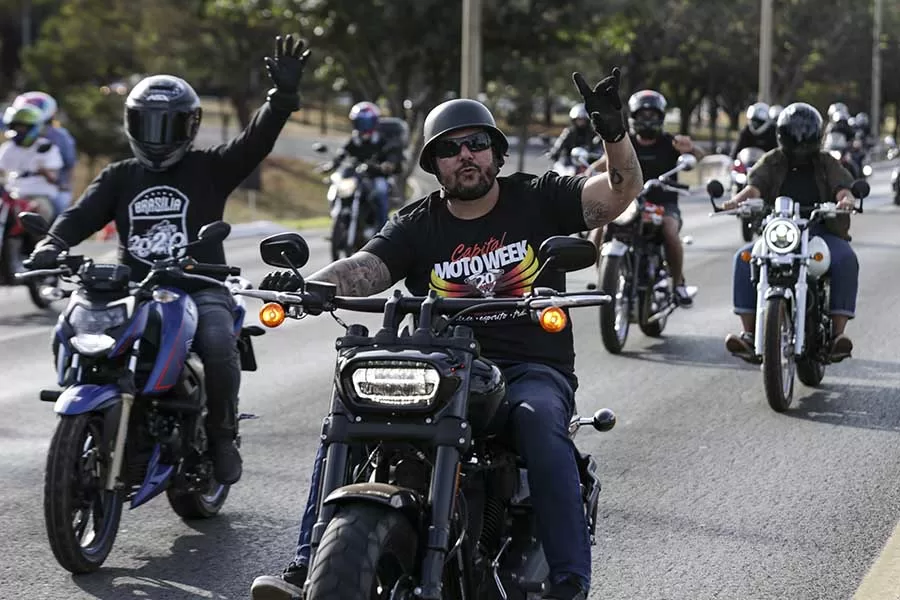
<point x="450" y="147"/>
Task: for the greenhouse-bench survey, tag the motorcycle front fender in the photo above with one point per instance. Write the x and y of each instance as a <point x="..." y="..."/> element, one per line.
<point x="779" y="292"/>
<point x="404" y="500"/>
<point x="81" y="399"/>
<point x="614" y="248"/>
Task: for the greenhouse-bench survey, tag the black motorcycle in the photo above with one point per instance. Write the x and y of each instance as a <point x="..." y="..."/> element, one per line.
<point x="417" y="499"/>
<point x="633" y="268"/>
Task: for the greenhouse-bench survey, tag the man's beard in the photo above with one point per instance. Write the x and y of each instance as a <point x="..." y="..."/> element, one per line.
<point x="467" y="192"/>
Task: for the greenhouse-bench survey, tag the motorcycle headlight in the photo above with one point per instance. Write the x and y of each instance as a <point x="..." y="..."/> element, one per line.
<point x="400" y="384"/>
<point x="347" y="187"/>
<point x="836" y="154"/>
<point x="96" y="321"/>
<point x="782" y="236"/>
<point x="867" y="170"/>
<point x="740" y="178"/>
<point x="92" y="344"/>
<point x="628" y="214"/>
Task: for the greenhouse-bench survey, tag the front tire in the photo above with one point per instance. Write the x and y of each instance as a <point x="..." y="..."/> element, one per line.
<point x="191" y="506"/>
<point x="365" y="553"/>
<point x="778" y="355"/>
<point x="74" y="495"/>
<point x="339" y="238"/>
<point x="614" y="317"/>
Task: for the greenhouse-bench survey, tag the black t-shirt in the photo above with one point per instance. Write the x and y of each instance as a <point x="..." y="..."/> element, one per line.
<point x="155" y="210"/>
<point x="656" y="159"/>
<point x="800" y="185"/>
<point x="492" y="256"/>
<point x="767" y="140"/>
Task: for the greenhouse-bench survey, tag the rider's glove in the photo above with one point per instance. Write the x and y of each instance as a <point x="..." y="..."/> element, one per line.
<point x="43" y="257"/>
<point x="285" y="70"/>
<point x="280" y="281"/>
<point x="604" y="105"/>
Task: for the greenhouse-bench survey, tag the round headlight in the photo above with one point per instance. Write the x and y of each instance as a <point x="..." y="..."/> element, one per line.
<point x="628" y="214"/>
<point x="346" y="187"/>
<point x="782" y="236"/>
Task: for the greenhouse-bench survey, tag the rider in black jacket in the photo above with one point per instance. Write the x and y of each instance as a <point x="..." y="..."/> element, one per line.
<point x="163" y="196"/>
<point x="578" y="134"/>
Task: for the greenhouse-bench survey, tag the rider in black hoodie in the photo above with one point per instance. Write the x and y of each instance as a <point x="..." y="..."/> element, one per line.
<point x="165" y="194"/>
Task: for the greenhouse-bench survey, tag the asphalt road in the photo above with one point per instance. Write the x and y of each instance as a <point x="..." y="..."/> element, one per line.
<point x="707" y="492"/>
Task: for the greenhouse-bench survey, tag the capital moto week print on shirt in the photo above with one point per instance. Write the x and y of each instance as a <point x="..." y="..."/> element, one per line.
<point x="494" y="256"/>
<point x="157" y="223"/>
<point x="493" y="268"/>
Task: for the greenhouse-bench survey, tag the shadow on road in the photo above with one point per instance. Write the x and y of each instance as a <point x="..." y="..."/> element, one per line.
<point x="690" y="350"/>
<point x="875" y="406"/>
<point x="203" y="565"/>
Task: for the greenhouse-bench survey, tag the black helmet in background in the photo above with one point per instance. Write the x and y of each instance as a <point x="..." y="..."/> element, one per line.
<point x="162" y="117"/>
<point x="799" y="131"/>
<point x="647" y="113"/>
<point x="460" y="113"/>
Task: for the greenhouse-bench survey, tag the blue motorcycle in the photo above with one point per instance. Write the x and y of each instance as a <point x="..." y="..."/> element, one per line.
<point x="132" y="407"/>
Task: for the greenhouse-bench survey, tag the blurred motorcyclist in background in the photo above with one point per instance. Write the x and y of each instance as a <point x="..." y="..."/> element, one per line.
<point x="658" y="152"/>
<point x="863" y="128"/>
<point x="579" y="133"/>
<point x="60" y="137"/>
<point x="839" y="122"/>
<point x="840" y="126"/>
<point x="367" y="145"/>
<point x="759" y="132"/>
<point x="30" y="162"/>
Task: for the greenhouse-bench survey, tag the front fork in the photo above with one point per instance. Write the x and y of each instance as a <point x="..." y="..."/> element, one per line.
<point x="354" y="219"/>
<point x="128" y="394"/>
<point x="798" y="295"/>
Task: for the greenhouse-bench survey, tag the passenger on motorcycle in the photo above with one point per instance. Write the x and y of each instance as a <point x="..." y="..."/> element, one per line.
<point x="759" y="132"/>
<point x="578" y="134"/>
<point x="658" y="152"/>
<point x="29" y="162"/>
<point x="61" y="138"/>
<point x="367" y="145"/>
<point x="799" y="169"/>
<point x="478" y="236"/>
<point x="163" y="196"/>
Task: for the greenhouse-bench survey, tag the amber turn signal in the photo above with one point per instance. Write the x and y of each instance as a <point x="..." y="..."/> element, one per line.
<point x="271" y="314"/>
<point x="745" y="256"/>
<point x="553" y="319"/>
<point x="818" y="256"/>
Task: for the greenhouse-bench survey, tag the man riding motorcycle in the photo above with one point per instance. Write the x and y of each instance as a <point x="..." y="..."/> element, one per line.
<point x="163" y="196"/>
<point x="60" y="137"/>
<point x="840" y="125"/>
<point x="578" y="134"/>
<point x="658" y="152"/>
<point x="30" y="163"/>
<point x="431" y="244"/>
<point x="367" y="145"/>
<point x="759" y="131"/>
<point x="799" y="169"/>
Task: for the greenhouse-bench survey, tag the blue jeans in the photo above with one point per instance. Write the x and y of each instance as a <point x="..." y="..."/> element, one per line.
<point x="216" y="345"/>
<point x="380" y="193"/>
<point x="539" y="404"/>
<point x="844" y="272"/>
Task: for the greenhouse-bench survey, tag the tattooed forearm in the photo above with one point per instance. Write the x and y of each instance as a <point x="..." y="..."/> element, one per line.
<point x="362" y="274"/>
<point x="604" y="197"/>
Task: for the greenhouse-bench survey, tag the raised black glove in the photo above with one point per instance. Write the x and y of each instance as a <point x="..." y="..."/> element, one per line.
<point x="604" y="105"/>
<point x="286" y="67"/>
<point x="280" y="281"/>
<point x="43" y="257"/>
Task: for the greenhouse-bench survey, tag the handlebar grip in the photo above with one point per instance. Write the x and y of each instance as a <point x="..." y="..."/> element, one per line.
<point x="212" y="270"/>
<point x="680" y="186"/>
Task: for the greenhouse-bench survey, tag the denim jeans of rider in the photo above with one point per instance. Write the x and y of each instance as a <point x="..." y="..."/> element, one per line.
<point x="382" y="200"/>
<point x="539" y="405"/>
<point x="216" y="345"/>
<point x="844" y="272"/>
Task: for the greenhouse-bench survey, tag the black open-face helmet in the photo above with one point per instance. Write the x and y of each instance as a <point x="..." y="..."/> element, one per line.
<point x="162" y="116"/>
<point x="460" y="113"/>
<point x="799" y="131"/>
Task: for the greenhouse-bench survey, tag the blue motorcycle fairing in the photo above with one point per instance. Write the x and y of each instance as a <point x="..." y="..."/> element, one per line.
<point x="85" y="398"/>
<point x="62" y="355"/>
<point x="157" y="478"/>
<point x="134" y="331"/>
<point x="239" y="314"/>
<point x="178" y="324"/>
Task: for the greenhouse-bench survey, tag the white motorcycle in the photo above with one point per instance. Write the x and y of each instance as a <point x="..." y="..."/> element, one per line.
<point x="790" y="271"/>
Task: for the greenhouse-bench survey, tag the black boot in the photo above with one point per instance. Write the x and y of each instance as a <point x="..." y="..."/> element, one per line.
<point x="221" y="427"/>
